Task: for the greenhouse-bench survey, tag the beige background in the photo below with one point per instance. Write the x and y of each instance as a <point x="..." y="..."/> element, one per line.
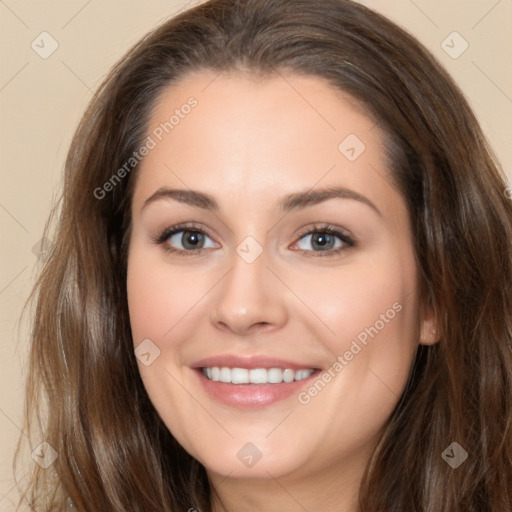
<point x="41" y="101"/>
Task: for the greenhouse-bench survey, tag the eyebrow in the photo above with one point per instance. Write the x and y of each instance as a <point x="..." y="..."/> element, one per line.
<point x="291" y="202"/>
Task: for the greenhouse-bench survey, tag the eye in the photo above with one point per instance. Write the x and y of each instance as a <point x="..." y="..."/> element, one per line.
<point x="327" y="239"/>
<point x="191" y="238"/>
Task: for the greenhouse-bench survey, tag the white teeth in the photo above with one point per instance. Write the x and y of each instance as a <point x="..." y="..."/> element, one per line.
<point x="274" y="375"/>
<point x="258" y="376"/>
<point x="239" y="375"/>
<point x="302" y="374"/>
<point x="225" y="375"/>
<point x="255" y="375"/>
<point x="289" y="375"/>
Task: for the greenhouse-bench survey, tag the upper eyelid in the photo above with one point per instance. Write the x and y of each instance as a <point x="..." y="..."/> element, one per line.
<point x="325" y="227"/>
<point x="166" y="233"/>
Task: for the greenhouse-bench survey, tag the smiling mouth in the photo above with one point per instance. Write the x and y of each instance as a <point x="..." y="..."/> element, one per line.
<point x="256" y="375"/>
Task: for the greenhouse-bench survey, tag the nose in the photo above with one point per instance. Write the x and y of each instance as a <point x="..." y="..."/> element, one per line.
<point x="249" y="299"/>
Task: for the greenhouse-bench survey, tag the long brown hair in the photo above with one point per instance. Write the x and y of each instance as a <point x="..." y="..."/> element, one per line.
<point x="85" y="397"/>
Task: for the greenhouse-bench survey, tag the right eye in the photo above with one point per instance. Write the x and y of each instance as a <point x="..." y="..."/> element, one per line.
<point x="191" y="238"/>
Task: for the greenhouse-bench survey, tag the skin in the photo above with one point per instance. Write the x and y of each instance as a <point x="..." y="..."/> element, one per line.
<point x="250" y="142"/>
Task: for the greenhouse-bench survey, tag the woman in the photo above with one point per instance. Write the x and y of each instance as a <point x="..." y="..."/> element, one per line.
<point x="281" y="279"/>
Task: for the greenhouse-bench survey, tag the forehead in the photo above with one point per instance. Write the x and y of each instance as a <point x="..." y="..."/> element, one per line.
<point x="264" y="135"/>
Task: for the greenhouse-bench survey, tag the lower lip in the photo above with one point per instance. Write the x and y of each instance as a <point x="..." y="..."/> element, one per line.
<point x="252" y="395"/>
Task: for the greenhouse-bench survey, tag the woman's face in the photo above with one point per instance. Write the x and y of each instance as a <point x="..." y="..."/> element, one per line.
<point x="256" y="169"/>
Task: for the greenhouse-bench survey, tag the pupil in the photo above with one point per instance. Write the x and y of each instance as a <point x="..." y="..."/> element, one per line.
<point x="192" y="239"/>
<point x="322" y="239"/>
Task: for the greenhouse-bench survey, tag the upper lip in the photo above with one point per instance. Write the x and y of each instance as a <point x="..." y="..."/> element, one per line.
<point x="250" y="362"/>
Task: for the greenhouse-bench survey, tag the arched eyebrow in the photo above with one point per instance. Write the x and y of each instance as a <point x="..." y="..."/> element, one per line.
<point x="303" y="199"/>
<point x="295" y="201"/>
<point x="190" y="197"/>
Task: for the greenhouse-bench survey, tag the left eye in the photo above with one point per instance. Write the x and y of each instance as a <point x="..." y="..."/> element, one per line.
<point x="322" y="240"/>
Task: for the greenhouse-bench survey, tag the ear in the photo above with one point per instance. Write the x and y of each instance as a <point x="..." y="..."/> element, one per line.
<point x="429" y="328"/>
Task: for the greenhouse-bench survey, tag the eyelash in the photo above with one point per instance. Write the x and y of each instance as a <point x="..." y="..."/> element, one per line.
<point x="348" y="242"/>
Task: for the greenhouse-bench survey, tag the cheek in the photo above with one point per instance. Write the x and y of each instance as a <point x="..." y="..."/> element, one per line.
<point x="367" y="299"/>
<point x="371" y="331"/>
<point x="158" y="296"/>
<point x="373" y="315"/>
<point x="158" y="300"/>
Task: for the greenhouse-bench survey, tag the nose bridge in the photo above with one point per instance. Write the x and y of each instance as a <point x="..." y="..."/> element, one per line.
<point x="249" y="294"/>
